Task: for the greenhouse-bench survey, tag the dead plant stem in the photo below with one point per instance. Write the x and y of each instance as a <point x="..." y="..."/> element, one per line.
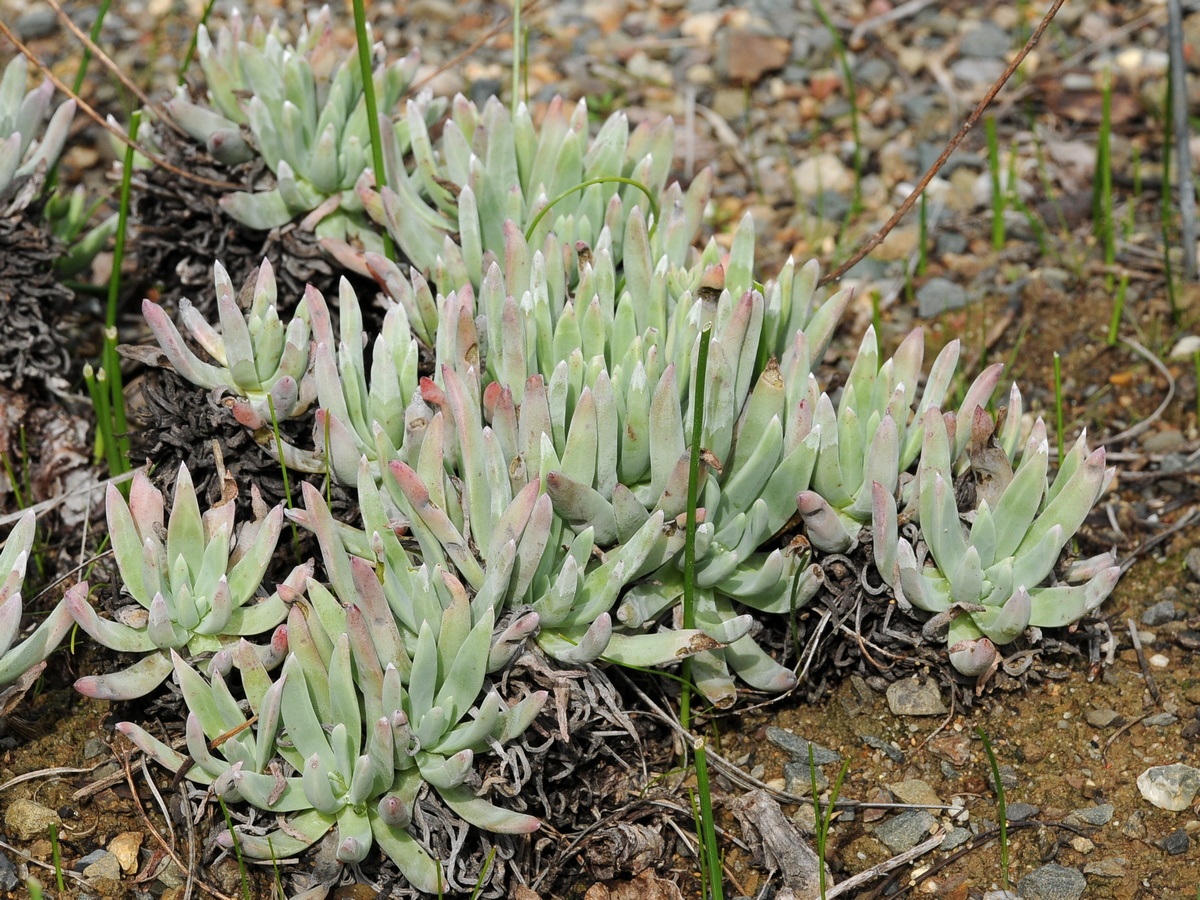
<point x="108" y="126"/>
<point x="877" y="238"/>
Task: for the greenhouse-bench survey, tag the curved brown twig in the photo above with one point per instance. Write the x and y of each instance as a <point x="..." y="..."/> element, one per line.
<point x="877" y="238"/>
<point x="107" y="62"/>
<point x="108" y="126"/>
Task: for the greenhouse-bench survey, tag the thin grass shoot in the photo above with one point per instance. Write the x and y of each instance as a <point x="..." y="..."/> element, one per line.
<point x="56" y="859"/>
<point x="708" y="827"/>
<point x="287" y="487"/>
<point x="693" y="496"/>
<point x="1118" y="309"/>
<point x="1001" y="809"/>
<point x="237" y="849"/>
<point x="993" y="148"/>
<point x="1058" y="403"/>
<point x="368" y="87"/>
<point x="823" y="820"/>
<point x="839" y="47"/>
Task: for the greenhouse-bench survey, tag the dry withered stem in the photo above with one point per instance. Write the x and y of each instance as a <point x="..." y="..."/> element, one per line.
<point x="877" y="238"/>
<point x="107" y="62"/>
<point x="123" y="758"/>
<point x="104" y="123"/>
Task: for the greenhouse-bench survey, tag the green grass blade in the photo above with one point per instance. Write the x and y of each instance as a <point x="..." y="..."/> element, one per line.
<point x="368" y="83"/>
<point x="693" y="495"/>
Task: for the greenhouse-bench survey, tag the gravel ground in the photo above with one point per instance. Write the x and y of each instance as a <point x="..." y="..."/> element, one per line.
<point x="757" y="91"/>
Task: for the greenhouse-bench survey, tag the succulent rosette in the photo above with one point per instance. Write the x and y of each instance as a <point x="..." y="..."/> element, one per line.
<point x="989" y="573"/>
<point x="21" y="662"/>
<point x="195" y="581"/>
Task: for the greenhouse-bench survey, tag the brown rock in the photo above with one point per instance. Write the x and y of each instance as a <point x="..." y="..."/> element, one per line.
<point x="748" y="57"/>
<point x="125" y="848"/>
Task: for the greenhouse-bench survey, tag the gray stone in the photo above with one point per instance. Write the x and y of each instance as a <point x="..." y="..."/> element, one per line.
<point x="938" y="295"/>
<point x="1176" y="842"/>
<point x="484" y="88"/>
<point x="8" y="874"/>
<point x="1160" y="613"/>
<point x="29" y="820"/>
<point x="1160" y="720"/>
<point x="906" y="830"/>
<point x="106" y="866"/>
<point x="1169" y="440"/>
<point x="94" y="747"/>
<point x="891" y="752"/>
<point x="874" y="73"/>
<point x="1135" y="826"/>
<point x="1019" y="812"/>
<point x="38" y="21"/>
<point x="1192" y="561"/>
<point x="84" y="861"/>
<point x="1052" y="882"/>
<point x="797" y="779"/>
<point x="1101" y="718"/>
<point x="798" y="747"/>
<point x="977" y="72"/>
<point x="1170" y="787"/>
<point x="955" y="839"/>
<point x="910" y="697"/>
<point x="951" y="242"/>
<point x="1008" y="778"/>
<point x="915" y="792"/>
<point x="988" y="41"/>
<point x="1112" y="867"/>
<point x="1091" y="815"/>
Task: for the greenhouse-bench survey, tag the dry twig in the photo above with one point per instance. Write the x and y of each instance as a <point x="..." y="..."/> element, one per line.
<point x="877" y="238"/>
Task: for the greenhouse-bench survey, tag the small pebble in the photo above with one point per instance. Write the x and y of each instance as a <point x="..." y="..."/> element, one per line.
<point x="1112" y="867"/>
<point x="1160" y="720"/>
<point x="938" y="295"/>
<point x="125" y="848"/>
<point x="1100" y="718"/>
<point x="1159" y="661"/>
<point x="1019" y="812"/>
<point x="1160" y="614"/>
<point x="1080" y="844"/>
<point x="1170" y="787"/>
<point x="798" y="747"/>
<point x="885" y="747"/>
<point x="916" y="792"/>
<point x="8" y="874"/>
<point x="1052" y="882"/>
<point x="28" y="820"/>
<point x="1176" y="842"/>
<point x="906" y="830"/>
<point x="910" y="697"/>
<point x="955" y="839"/>
<point x="1192" y="561"/>
<point x="105" y="866"/>
<point x="1188" y="640"/>
<point x="1091" y="815"/>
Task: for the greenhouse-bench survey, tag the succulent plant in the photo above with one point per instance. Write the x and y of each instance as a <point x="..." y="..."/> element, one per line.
<point x="302" y="107"/>
<point x="400" y="721"/>
<point x="988" y="578"/>
<point x="21" y="663"/>
<point x="868" y="439"/>
<point x="261" y="364"/>
<point x="492" y="167"/>
<point x="21" y="118"/>
<point x="195" y="586"/>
